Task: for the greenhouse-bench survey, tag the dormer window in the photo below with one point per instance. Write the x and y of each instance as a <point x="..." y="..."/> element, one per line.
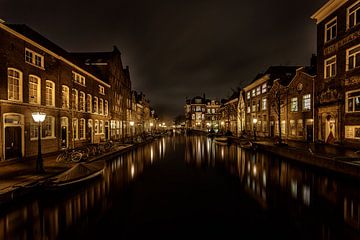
<point x="34" y="58"/>
<point x="78" y="78"/>
<point x="330" y="30"/>
<point x="101" y="90"/>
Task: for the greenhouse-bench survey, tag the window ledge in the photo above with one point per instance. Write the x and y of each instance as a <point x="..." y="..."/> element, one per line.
<point x="34" y="65"/>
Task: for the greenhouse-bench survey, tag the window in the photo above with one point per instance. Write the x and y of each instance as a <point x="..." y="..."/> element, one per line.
<point x="353" y="101"/>
<point x="208" y="110"/>
<point x="330" y="30"/>
<point x="95" y="105"/>
<point x="353" y="15"/>
<point x="253" y="93"/>
<point x="306" y="102"/>
<point x="78" y="78"/>
<point x="248" y="95"/>
<point x="258" y="106"/>
<point x="258" y="90"/>
<point x="89" y="103"/>
<point x="74" y="99"/>
<point x="65" y="94"/>
<point x="82" y="129"/>
<point x="106" y="108"/>
<point x="292" y="128"/>
<point x="75" y="128"/>
<point x="283" y="127"/>
<point x="82" y="101"/>
<point x="264" y="88"/>
<point x="294" y="104"/>
<point x="96" y="126"/>
<point x="101" y="90"/>
<point x="353" y="57"/>
<point x="300" y="128"/>
<point x="330" y="67"/>
<point x="248" y="108"/>
<point x="213" y="110"/>
<point x="48" y="127"/>
<point x="198" y="108"/>
<point x="33" y="130"/>
<point x="50" y="93"/>
<point x="253" y="106"/>
<point x="101" y="106"/>
<point x="34" y="89"/>
<point x="14" y="85"/>
<point x="101" y="127"/>
<point x="264" y="102"/>
<point x="193" y="116"/>
<point x="34" y="58"/>
<point x="264" y="127"/>
<point x="352" y="132"/>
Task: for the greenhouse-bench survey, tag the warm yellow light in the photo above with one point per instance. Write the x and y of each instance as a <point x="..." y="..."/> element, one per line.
<point x="255" y="120"/>
<point x="151" y="124"/>
<point x="222" y="123"/>
<point x="131" y="123"/>
<point x="38" y="117"/>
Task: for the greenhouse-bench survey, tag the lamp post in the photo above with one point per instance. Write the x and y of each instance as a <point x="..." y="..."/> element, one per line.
<point x="254" y="123"/>
<point x="39" y="118"/>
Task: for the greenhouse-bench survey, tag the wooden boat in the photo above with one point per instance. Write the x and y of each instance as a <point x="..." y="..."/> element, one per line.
<point x="79" y="173"/>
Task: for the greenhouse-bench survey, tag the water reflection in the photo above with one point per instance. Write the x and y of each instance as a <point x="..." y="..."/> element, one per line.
<point x="54" y="214"/>
<point x="323" y="205"/>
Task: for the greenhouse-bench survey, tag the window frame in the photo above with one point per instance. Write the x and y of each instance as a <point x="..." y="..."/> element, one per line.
<point x="74" y="99"/>
<point x="38" y="90"/>
<point x="75" y="129"/>
<point x="329" y="27"/>
<point x="293" y="107"/>
<point x="52" y="93"/>
<point x="82" y="132"/>
<point x="354" y="55"/>
<point x="82" y="106"/>
<point x="347" y="101"/>
<point x="78" y="78"/>
<point x="348" y="15"/>
<point x="20" y="86"/>
<point x="33" y="59"/>
<point x="89" y="99"/>
<point x="66" y="96"/>
<point x="334" y="64"/>
<point x="304" y="102"/>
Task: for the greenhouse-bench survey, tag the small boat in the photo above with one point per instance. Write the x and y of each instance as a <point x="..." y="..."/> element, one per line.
<point x="79" y="173"/>
<point x="249" y="145"/>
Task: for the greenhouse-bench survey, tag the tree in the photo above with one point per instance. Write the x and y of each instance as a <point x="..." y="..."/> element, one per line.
<point x="178" y="120"/>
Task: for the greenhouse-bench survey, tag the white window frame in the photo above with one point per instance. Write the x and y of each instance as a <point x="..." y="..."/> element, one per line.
<point x="52" y="126"/>
<point x="331" y="67"/>
<point x="20" y="86"/>
<point x="89" y="103"/>
<point x="101" y="106"/>
<point x="106" y="109"/>
<point x="32" y="60"/>
<point x="96" y="127"/>
<point x="75" y="129"/>
<point x="305" y="98"/>
<point x="348" y="15"/>
<point x="74" y="99"/>
<point x="48" y="92"/>
<point x="258" y="90"/>
<point x="264" y="103"/>
<point x="264" y="88"/>
<point x="65" y="96"/>
<point x="38" y="89"/>
<point x="294" y="104"/>
<point x="78" y="78"/>
<point x="82" y="101"/>
<point x="347" y="101"/>
<point x="82" y="129"/>
<point x="348" y="56"/>
<point x="248" y="95"/>
<point x="96" y="105"/>
<point x="329" y="27"/>
<point x="253" y="92"/>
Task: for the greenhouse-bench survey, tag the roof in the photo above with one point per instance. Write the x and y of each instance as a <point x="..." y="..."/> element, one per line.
<point x="284" y="73"/>
<point x="327" y="9"/>
<point x="46" y="43"/>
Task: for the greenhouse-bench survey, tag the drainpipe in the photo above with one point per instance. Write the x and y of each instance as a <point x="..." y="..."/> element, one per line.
<point x="313" y="108"/>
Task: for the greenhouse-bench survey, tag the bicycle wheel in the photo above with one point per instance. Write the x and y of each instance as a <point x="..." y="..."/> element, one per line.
<point x="62" y="157"/>
<point x="76" y="156"/>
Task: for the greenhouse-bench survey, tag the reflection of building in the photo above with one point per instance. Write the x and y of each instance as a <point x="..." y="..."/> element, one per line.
<point x="338" y="78"/>
<point x="202" y="114"/>
<point x="229" y="114"/>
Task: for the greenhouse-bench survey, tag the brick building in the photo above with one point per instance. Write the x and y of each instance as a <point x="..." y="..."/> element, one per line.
<point x="337" y="86"/>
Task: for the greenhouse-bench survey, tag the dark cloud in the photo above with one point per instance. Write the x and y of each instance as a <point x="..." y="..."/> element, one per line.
<point x="176" y="48"/>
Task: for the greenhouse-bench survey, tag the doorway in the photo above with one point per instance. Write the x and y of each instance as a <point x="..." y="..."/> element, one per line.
<point x="309" y="133"/>
<point x="64" y="132"/>
<point x="13" y="144"/>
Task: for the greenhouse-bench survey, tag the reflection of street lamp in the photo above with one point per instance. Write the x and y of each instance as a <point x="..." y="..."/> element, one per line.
<point x="254" y="122"/>
<point x="222" y="125"/>
<point x="39" y="118"/>
<point x="151" y="124"/>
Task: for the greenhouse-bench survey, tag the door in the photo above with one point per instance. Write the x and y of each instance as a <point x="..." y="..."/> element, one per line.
<point x="13" y="143"/>
<point x="272" y="131"/>
<point x="309" y="133"/>
<point x="64" y="143"/>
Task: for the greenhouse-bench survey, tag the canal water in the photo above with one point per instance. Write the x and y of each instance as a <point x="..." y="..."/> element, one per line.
<point x="188" y="186"/>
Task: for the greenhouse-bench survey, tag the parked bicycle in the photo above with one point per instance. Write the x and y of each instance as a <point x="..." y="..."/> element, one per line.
<point x="70" y="155"/>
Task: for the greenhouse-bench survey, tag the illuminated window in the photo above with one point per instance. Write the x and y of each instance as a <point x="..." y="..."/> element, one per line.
<point x="264" y="88"/>
<point x="248" y="95"/>
<point x="101" y="106"/>
<point x="330" y="67"/>
<point x="101" y="127"/>
<point x="306" y="102"/>
<point x="95" y="105"/>
<point x="258" y="90"/>
<point x="101" y="90"/>
<point x="82" y="129"/>
<point x="89" y="103"/>
<point x="353" y="57"/>
<point x="106" y="108"/>
<point x="14" y="85"/>
<point x="34" y="89"/>
<point x="253" y="93"/>
<point x="353" y="101"/>
<point x="65" y="97"/>
<point x="294" y="104"/>
<point x="292" y="128"/>
<point x="353" y="15"/>
<point x="74" y="99"/>
<point x="96" y="126"/>
<point x="264" y="102"/>
<point x="50" y="93"/>
<point x="34" y="58"/>
<point x="330" y="30"/>
<point x="48" y="127"/>
<point x="75" y="129"/>
<point x="82" y="101"/>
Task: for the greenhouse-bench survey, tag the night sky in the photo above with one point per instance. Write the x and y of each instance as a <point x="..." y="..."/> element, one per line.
<point x="177" y="48"/>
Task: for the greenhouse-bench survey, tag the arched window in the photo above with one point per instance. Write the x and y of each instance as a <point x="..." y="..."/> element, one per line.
<point x="75" y="128"/>
<point x="15" y="85"/>
<point x="74" y="99"/>
<point x="50" y="93"/>
<point x="89" y="103"/>
<point x="82" y="129"/>
<point x="34" y="89"/>
<point x="82" y="101"/>
<point x="65" y="97"/>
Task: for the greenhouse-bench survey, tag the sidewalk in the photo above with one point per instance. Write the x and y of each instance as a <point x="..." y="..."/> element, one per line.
<point x="20" y="175"/>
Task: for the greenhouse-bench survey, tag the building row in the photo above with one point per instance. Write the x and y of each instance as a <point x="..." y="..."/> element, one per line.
<point x="87" y="97"/>
<point x="320" y="102"/>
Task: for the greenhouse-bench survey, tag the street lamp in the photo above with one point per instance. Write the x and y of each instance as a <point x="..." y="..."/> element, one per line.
<point x="254" y="123"/>
<point x="39" y="118"/>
